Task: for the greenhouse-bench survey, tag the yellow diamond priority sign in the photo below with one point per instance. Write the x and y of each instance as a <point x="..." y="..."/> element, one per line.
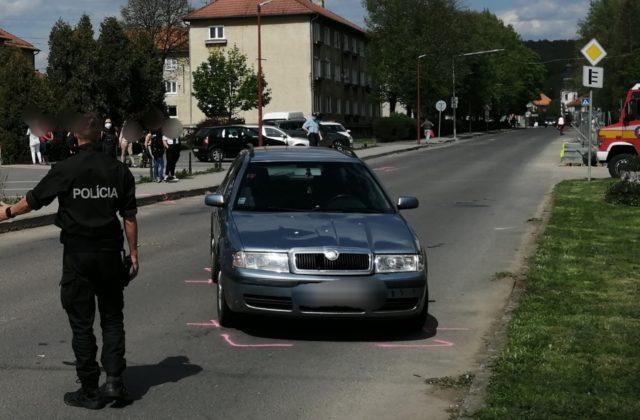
<point x="594" y="52"/>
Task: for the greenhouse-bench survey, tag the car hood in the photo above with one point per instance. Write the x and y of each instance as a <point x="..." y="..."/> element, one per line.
<point x="379" y="233"/>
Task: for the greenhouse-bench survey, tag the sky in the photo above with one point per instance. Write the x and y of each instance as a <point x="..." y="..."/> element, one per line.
<point x="32" y="20"/>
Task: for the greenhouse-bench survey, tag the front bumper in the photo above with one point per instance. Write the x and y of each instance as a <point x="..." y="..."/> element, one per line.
<point x="602" y="156"/>
<point x="394" y="295"/>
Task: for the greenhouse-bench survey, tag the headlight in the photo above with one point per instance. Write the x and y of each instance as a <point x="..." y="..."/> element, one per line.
<point x="398" y="263"/>
<point x="269" y="261"/>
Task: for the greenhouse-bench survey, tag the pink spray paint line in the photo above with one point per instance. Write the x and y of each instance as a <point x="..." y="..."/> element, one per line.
<point x="213" y="323"/>
<point x="230" y="342"/>
<point x="207" y="269"/>
<point x="198" y="281"/>
<point x="437" y="343"/>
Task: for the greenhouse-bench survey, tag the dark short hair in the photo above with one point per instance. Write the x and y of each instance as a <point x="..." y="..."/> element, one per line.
<point x="88" y="126"/>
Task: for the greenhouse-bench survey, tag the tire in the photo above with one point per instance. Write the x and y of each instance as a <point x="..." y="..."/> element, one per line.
<point x="226" y="317"/>
<point x="216" y="155"/>
<point x="337" y="144"/>
<point x="416" y="322"/>
<point x="616" y="162"/>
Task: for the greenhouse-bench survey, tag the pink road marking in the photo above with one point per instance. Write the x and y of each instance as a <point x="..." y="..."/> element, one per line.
<point x="198" y="281"/>
<point x="169" y="202"/>
<point x="207" y="269"/>
<point x="227" y="338"/>
<point x="213" y="323"/>
<point x="437" y="343"/>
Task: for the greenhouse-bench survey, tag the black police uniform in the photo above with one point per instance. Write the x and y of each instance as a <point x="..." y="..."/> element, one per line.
<point x="92" y="188"/>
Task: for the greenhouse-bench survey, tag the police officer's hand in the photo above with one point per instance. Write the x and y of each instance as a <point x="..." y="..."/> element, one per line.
<point x="135" y="266"/>
<point x="3" y="211"/>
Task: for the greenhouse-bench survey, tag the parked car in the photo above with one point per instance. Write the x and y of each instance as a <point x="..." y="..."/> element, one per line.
<point x="218" y="143"/>
<point x="311" y="232"/>
<point x="549" y="121"/>
<point x="274" y="136"/>
<point x="335" y="127"/>
<point x="333" y="134"/>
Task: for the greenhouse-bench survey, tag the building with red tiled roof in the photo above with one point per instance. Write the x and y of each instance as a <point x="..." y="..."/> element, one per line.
<point x="313" y="59"/>
<point x="9" y="40"/>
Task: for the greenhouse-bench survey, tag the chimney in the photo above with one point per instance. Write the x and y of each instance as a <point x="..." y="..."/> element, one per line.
<point x="319" y="2"/>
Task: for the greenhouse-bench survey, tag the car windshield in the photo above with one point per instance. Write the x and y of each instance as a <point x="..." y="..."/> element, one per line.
<point x="313" y="186"/>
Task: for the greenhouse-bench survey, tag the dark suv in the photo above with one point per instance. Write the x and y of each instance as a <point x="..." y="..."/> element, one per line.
<point x="218" y="143"/>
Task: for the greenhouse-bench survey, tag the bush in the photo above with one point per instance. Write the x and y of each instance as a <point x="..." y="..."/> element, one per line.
<point x="624" y="192"/>
<point x="394" y="128"/>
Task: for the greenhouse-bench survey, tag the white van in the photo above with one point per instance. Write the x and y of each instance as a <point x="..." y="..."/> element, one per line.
<point x="271" y="117"/>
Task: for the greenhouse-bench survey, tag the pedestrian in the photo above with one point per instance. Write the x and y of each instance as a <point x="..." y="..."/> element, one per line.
<point x="109" y="139"/>
<point x="34" y="146"/>
<point x="561" y="125"/>
<point x="45" y="146"/>
<point x="312" y="128"/>
<point x="126" y="146"/>
<point x="156" y="145"/>
<point x="427" y="126"/>
<point x="92" y="189"/>
<point x="173" y="154"/>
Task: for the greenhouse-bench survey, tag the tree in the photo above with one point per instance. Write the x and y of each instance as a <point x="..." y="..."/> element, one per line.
<point x="614" y="24"/>
<point x="162" y="20"/>
<point x="402" y="30"/>
<point x="20" y="90"/>
<point x="223" y="85"/>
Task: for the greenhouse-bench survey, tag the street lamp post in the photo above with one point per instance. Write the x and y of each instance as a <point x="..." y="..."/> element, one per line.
<point x="418" y="99"/>
<point x="260" y="73"/>
<point x="454" y="105"/>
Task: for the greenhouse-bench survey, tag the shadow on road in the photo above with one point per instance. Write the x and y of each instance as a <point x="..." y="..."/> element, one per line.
<point x="139" y="379"/>
<point x="345" y="330"/>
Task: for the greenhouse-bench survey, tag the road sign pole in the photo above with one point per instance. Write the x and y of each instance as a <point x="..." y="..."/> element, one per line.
<point x="439" y="122"/>
<point x="590" y="135"/>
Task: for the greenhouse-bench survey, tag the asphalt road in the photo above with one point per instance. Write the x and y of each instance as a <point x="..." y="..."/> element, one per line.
<point x="477" y="201"/>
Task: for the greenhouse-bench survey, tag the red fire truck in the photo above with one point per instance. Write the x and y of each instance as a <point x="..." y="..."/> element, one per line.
<point x="618" y="142"/>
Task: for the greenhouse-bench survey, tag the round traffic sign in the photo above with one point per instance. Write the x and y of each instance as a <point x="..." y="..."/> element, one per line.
<point x="441" y="105"/>
<point x="527" y="114"/>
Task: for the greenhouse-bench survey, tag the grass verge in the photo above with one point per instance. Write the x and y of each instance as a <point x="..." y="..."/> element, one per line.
<point x="573" y="349"/>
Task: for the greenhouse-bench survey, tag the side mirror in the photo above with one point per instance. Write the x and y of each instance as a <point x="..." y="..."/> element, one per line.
<point x="214" y="200"/>
<point x="407" y="202"/>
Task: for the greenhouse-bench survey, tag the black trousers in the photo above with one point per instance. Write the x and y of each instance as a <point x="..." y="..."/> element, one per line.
<point x="173" y="154"/>
<point x="314" y="139"/>
<point x="88" y="276"/>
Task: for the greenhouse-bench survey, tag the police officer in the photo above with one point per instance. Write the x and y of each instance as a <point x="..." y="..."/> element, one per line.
<point x="312" y="128"/>
<point x="92" y="189"/>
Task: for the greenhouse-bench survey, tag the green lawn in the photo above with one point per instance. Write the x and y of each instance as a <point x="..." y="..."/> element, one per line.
<point x="573" y="349"/>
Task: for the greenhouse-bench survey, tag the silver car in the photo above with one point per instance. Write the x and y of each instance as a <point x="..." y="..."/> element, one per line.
<point x="310" y="232"/>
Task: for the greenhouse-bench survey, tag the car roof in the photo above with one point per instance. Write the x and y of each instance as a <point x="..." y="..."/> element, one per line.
<point x="301" y="154"/>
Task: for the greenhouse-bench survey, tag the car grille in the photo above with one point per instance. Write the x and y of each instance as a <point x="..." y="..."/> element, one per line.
<point x="345" y="262"/>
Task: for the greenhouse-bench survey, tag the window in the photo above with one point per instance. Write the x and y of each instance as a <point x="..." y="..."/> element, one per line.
<point x="170" y="87"/>
<point x="338" y="73"/>
<point x="172" y="110"/>
<point x="317" y="69"/>
<point x="339" y="106"/>
<point x="317" y="30"/>
<point x="327" y="36"/>
<point x="216" y="32"/>
<point x="170" y="64"/>
<point x="316" y="103"/>
<point x="326" y="69"/>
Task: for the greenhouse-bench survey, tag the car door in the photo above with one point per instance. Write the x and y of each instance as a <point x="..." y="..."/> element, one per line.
<point x="274" y="136"/>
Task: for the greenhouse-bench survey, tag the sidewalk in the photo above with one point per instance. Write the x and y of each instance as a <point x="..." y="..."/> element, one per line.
<point x="150" y="192"/>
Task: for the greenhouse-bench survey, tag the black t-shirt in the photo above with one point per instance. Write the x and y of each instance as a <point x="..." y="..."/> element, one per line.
<point x="92" y="189"/>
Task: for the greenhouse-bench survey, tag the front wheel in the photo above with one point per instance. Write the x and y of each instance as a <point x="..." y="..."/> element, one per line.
<point x="617" y="163"/>
<point x="226" y="317"/>
<point x="338" y="145"/>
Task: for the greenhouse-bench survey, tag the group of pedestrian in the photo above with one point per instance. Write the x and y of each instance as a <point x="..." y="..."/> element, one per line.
<point x="39" y="145"/>
<point x="158" y="145"/>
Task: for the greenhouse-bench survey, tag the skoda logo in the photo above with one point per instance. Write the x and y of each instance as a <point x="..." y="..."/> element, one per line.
<point x="331" y="255"/>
